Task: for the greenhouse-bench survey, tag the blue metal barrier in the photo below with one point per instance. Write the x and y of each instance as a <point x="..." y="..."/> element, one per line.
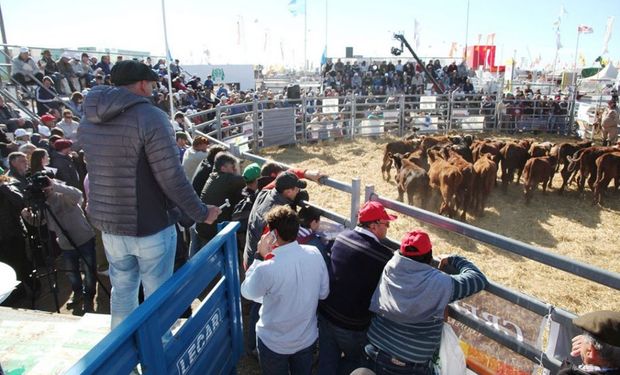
<point x="210" y="342"/>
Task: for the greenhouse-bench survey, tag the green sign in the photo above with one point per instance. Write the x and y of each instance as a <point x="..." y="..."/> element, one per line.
<point x="218" y="74"/>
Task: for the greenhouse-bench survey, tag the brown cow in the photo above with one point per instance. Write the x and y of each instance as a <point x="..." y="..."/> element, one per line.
<point x="397" y="147"/>
<point x="412" y="179"/>
<point x="465" y="191"/>
<point x="537" y="170"/>
<point x="428" y="142"/>
<point x="513" y="160"/>
<point x="540" y="149"/>
<point x="584" y="160"/>
<point x="446" y="178"/>
<point x="562" y="151"/>
<point x="488" y="147"/>
<point x="485" y="170"/>
<point x="608" y="168"/>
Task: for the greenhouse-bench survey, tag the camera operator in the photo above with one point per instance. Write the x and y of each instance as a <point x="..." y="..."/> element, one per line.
<point x="65" y="204"/>
<point x="12" y="232"/>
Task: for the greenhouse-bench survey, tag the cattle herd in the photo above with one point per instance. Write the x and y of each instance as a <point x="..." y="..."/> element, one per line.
<point x="464" y="170"/>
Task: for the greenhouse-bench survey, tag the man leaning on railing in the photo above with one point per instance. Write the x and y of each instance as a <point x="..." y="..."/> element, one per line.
<point x="24" y="68"/>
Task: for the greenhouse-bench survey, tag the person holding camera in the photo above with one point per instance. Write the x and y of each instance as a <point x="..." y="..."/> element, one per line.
<point x="76" y="237"/>
<point x="409" y="305"/>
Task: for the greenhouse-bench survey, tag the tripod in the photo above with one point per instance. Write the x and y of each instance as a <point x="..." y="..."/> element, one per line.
<point x="45" y="213"/>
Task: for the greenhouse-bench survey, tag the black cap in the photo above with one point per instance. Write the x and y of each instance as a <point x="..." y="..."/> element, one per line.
<point x="288" y="180"/>
<point x="602" y="325"/>
<point x="130" y="71"/>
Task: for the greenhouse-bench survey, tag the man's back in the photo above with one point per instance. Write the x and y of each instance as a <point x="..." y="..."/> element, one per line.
<point x="134" y="169"/>
<point x="292" y="283"/>
<point x="357" y="261"/>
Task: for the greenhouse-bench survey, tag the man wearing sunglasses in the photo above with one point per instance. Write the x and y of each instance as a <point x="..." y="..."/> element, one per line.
<point x="357" y="261"/>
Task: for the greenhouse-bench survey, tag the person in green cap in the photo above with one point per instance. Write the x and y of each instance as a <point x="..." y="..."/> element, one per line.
<point x="598" y="346"/>
<point x="241" y="212"/>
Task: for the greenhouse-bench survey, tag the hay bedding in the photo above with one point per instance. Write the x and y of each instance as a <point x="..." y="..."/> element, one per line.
<point x="565" y="225"/>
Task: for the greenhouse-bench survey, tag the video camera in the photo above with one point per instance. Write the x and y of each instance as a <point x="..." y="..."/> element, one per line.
<point x="33" y="191"/>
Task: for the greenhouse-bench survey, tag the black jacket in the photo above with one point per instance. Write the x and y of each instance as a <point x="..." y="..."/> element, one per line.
<point x="135" y="175"/>
<point x="11" y="204"/>
<point x="65" y="169"/>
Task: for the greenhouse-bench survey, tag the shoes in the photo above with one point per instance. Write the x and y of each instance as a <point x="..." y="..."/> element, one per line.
<point x="89" y="305"/>
<point x="75" y="301"/>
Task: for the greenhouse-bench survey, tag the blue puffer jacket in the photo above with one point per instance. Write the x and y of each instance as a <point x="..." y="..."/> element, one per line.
<point x="136" y="178"/>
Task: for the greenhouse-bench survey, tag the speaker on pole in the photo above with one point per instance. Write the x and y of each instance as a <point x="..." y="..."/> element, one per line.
<point x="349" y="52"/>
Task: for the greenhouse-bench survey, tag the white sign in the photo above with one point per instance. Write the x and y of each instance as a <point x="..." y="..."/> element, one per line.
<point x="330" y="105"/>
<point x="427" y="102"/>
<point x="192" y="353"/>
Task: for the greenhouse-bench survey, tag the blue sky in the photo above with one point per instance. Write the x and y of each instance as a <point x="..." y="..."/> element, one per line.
<point x="237" y="31"/>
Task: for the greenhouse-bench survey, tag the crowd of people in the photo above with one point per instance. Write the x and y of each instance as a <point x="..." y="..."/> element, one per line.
<point x="154" y="192"/>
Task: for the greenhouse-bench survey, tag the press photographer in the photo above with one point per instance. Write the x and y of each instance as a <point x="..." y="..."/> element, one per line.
<point x="76" y="238"/>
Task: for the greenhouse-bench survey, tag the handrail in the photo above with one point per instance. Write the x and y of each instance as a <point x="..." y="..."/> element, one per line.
<point x="586" y="271"/>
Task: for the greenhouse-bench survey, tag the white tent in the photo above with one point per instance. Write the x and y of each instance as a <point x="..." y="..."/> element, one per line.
<point x="608" y="73"/>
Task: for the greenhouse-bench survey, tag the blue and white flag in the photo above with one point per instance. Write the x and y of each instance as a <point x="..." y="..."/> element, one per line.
<point x="296" y="7"/>
<point x="324" y="56"/>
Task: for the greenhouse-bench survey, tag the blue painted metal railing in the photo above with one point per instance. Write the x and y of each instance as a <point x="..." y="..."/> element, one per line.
<point x="209" y="342"/>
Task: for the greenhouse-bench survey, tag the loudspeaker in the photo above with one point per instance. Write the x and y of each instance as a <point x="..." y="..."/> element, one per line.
<point x="349" y="52"/>
<point x="293" y="92"/>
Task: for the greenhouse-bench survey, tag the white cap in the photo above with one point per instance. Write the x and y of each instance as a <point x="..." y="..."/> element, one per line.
<point x="24" y="50"/>
<point x="44" y="131"/>
<point x="20" y="133"/>
<point x="66" y="55"/>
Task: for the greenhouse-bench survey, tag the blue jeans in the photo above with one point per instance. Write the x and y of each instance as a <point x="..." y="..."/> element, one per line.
<point x="253" y="317"/>
<point x="383" y="363"/>
<point x="333" y="341"/>
<point x="72" y="262"/>
<point x="148" y="259"/>
<point x="272" y="363"/>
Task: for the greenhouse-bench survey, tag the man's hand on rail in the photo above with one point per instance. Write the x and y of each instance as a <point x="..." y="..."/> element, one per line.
<point x="314" y="175"/>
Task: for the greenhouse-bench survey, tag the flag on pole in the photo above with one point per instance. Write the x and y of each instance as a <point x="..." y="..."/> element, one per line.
<point x="324" y="56"/>
<point x="585" y="29"/>
<point x="610" y="25"/>
<point x="296" y="7"/>
<point x="582" y="59"/>
<point x="558" y="43"/>
<point x="416" y="33"/>
<point x="491" y="39"/>
<point x="453" y="48"/>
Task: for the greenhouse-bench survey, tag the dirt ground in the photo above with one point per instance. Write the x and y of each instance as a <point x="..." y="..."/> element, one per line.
<point x="568" y="224"/>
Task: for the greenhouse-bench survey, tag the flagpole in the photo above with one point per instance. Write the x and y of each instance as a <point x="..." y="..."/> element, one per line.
<point x="326" y="2"/>
<point x="169" y="58"/>
<point x="305" y="35"/>
<point x="575" y="62"/>
<point x="466" y="31"/>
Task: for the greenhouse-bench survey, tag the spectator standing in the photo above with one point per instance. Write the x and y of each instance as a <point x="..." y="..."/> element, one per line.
<point x="344" y="317"/>
<point x="18" y="168"/>
<point x="182" y="139"/>
<point x="609" y="123"/>
<point x="65" y="203"/>
<point x="288" y="283"/>
<point x="205" y="168"/>
<point x="62" y="160"/>
<point x="224" y="182"/>
<point x="598" y="347"/>
<point x="104" y="65"/>
<point x="194" y="155"/>
<point x="142" y="177"/>
<point x="409" y="305"/>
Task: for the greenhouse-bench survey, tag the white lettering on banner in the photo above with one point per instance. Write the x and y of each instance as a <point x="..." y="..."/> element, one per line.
<point x="195" y="348"/>
<point x="494" y="321"/>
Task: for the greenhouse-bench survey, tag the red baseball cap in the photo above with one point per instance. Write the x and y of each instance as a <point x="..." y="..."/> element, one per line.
<point x="374" y="211"/>
<point x="47" y="117"/>
<point x="418" y="240"/>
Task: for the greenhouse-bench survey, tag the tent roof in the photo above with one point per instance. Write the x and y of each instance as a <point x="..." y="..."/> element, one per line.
<point x="609" y="72"/>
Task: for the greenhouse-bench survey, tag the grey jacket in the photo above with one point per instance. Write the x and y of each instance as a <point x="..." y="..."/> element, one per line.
<point x="65" y="203"/>
<point x="136" y="178"/>
<point x="265" y="201"/>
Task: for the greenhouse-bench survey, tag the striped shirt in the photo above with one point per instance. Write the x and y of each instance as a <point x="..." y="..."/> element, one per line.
<point x="418" y="341"/>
